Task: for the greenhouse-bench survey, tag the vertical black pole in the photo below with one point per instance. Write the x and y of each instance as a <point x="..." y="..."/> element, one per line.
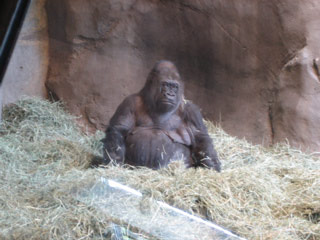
<point x="10" y="27"/>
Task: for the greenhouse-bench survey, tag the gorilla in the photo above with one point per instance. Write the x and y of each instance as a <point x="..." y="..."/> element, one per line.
<point x="157" y="125"/>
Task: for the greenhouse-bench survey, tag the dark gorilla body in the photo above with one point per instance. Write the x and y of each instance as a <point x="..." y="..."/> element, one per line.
<point x="156" y="126"/>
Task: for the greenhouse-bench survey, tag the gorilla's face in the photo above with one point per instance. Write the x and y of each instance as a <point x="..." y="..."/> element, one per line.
<point x="168" y="97"/>
<point x="163" y="91"/>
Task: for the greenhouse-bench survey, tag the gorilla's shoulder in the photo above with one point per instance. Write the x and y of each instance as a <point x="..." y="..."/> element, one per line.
<point x="132" y="101"/>
<point x="127" y="106"/>
<point x="191" y="108"/>
<point x="192" y="114"/>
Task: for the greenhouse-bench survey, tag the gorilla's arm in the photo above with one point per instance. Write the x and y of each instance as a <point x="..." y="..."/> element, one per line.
<point x="120" y="124"/>
<point x="203" y="150"/>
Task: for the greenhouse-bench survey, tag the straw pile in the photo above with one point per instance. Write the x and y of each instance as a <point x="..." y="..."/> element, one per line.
<point x="261" y="193"/>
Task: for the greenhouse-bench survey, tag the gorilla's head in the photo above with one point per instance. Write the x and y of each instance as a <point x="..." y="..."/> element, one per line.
<point x="163" y="91"/>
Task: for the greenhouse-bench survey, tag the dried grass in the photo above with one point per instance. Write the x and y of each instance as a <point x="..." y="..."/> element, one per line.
<point x="261" y="193"/>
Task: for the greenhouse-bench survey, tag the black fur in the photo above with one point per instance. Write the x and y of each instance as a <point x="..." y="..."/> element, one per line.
<point x="156" y="126"/>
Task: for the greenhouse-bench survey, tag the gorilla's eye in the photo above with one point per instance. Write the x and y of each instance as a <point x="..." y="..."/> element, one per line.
<point x="165" y="84"/>
<point x="175" y="87"/>
<point x="169" y="86"/>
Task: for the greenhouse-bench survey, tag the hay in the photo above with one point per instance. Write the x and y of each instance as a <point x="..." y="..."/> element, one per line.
<point x="261" y="193"/>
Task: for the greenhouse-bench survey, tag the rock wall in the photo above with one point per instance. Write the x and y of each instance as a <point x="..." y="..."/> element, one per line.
<point x="296" y="110"/>
<point x="27" y="70"/>
<point x="252" y="66"/>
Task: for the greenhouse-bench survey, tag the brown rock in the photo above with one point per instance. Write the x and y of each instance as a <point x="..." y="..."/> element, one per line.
<point x="248" y="64"/>
<point x="296" y="109"/>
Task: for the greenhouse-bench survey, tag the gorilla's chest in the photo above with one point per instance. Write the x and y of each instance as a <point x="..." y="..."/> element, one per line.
<point x="173" y="128"/>
<point x="155" y="148"/>
<point x="156" y="143"/>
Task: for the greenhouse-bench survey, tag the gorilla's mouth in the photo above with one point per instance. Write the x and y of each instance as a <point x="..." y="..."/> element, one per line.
<point x="167" y="101"/>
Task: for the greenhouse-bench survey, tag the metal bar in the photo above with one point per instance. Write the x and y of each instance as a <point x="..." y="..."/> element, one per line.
<point x="179" y="211"/>
<point x="128" y="207"/>
<point x="11" y="34"/>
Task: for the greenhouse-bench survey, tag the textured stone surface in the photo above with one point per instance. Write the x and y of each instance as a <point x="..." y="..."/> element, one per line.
<point x="248" y="64"/>
<point x="296" y="110"/>
<point x="27" y="70"/>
